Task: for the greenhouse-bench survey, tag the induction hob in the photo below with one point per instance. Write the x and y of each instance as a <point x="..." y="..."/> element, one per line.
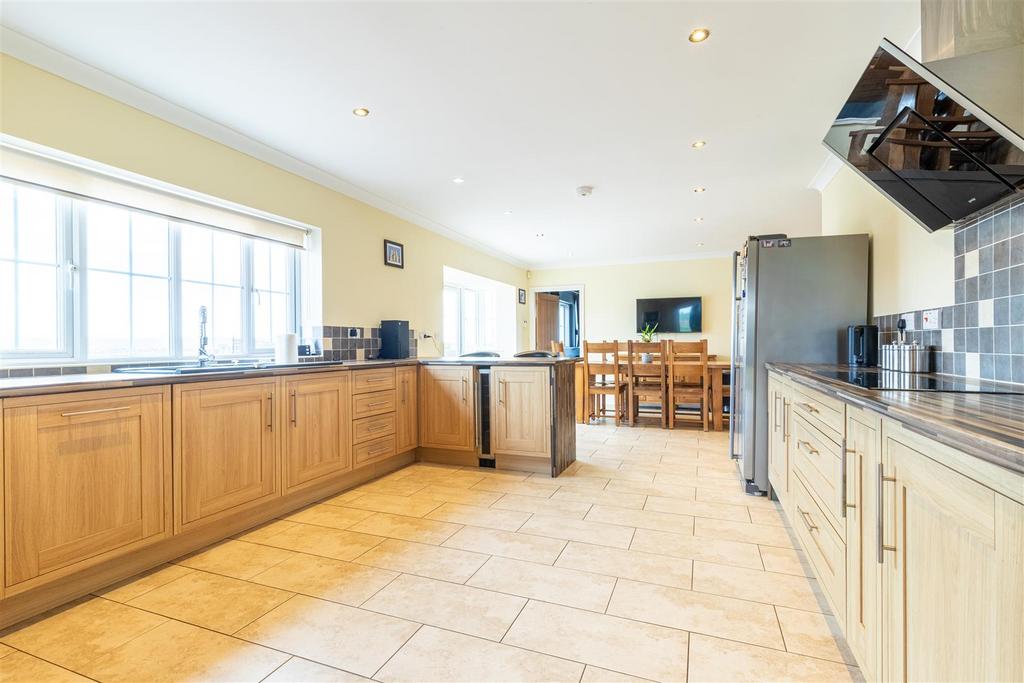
<point x="892" y="380"/>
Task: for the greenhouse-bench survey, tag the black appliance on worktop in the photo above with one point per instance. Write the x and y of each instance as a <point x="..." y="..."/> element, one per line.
<point x="394" y="339"/>
<point x="862" y="345"/>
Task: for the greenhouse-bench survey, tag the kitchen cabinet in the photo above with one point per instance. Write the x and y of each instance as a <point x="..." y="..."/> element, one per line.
<point x="87" y="477"/>
<point x="318" y="430"/>
<point x="225" y="448"/>
<point x="447" y="407"/>
<point x="778" y="438"/>
<point x="520" y="410"/>
<point x="406" y="413"/>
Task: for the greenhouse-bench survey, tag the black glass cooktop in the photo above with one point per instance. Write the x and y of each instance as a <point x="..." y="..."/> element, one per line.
<point x="891" y="380"/>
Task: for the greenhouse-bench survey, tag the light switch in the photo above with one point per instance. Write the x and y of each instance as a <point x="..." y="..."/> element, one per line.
<point x="930" y="319"/>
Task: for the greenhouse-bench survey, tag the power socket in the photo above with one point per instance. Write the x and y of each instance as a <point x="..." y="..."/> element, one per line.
<point x="930" y="319"/>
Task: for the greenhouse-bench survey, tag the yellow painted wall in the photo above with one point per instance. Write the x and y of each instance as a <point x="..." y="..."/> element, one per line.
<point x="912" y="269"/>
<point x="359" y="289"/>
<point x="610" y="294"/>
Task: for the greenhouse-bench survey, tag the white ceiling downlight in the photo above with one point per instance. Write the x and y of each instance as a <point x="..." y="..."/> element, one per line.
<point x="699" y="35"/>
<point x="361" y="112"/>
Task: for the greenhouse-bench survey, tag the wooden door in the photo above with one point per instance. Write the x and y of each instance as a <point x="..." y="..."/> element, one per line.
<point x="87" y="477"/>
<point x="318" y="429"/>
<point x="226" y="447"/>
<point x="778" y="443"/>
<point x="446" y="400"/>
<point x="546" y="320"/>
<point x="863" y="569"/>
<point x="406" y="427"/>
<point x="953" y="592"/>
<point x="521" y="411"/>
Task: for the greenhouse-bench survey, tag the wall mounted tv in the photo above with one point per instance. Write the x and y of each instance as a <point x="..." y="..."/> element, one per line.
<point x="679" y="314"/>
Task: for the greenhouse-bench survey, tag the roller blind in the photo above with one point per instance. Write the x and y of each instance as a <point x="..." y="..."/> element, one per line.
<point x="82" y="178"/>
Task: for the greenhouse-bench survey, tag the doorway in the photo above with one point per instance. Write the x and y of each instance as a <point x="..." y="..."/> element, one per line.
<point x="558" y="316"/>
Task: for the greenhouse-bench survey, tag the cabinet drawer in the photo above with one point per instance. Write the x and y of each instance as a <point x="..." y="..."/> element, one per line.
<point x="820" y="462"/>
<point x="365" y="381"/>
<point x="377" y="449"/>
<point x="825" y="549"/>
<point x="376" y="403"/>
<point x="824" y="412"/>
<point x="373" y="427"/>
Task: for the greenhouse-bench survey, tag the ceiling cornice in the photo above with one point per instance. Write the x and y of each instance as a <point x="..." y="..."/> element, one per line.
<point x="42" y="56"/>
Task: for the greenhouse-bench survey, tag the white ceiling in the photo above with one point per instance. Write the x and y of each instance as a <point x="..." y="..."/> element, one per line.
<point x="526" y="101"/>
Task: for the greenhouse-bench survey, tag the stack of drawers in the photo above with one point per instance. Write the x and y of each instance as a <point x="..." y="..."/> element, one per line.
<point x="374" y="401"/>
<point x="817" y="504"/>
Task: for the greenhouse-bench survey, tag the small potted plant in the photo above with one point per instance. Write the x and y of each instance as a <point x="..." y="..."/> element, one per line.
<point x="647" y="336"/>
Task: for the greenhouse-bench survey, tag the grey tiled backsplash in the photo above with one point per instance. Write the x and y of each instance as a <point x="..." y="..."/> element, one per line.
<point x="982" y="334"/>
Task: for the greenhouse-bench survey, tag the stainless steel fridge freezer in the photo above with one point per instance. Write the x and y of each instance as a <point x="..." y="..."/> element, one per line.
<point x="793" y="299"/>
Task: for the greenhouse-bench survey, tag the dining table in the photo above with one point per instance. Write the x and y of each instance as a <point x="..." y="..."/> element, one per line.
<point x="718" y="371"/>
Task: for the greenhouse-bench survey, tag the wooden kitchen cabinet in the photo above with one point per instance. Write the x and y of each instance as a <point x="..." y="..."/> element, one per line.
<point x="447" y="414"/>
<point x="406" y="413"/>
<point x="953" y="595"/>
<point x="318" y="429"/>
<point x="87" y="477"/>
<point x="225" y="448"/>
<point x="521" y="413"/>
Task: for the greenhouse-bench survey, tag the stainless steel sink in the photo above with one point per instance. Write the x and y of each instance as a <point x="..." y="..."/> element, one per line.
<point x="195" y="368"/>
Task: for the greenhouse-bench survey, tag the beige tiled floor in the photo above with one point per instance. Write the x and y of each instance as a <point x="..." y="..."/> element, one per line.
<point x="644" y="562"/>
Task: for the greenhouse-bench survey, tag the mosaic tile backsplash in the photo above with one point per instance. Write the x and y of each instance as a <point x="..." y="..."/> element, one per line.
<point x="982" y="334"/>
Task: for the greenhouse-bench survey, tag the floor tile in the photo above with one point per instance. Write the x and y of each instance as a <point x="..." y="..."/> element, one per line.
<point x="326" y="578"/>
<point x="627" y="564"/>
<point x="19" y="667"/>
<point x="6" y="650"/>
<point x="407" y="528"/>
<point x="736" y="497"/>
<point x="785" y="561"/>
<point x="465" y="496"/>
<point x="336" y="635"/>
<point x="334" y="516"/>
<point x="212" y="601"/>
<point x="447" y="564"/>
<point x="652" y="489"/>
<point x="736" y="513"/>
<point x="716" y="615"/>
<point x="768" y="516"/>
<point x="443" y="656"/>
<point x="814" y="634"/>
<point x="504" y="520"/>
<point x="541" y="582"/>
<point x="123" y="591"/>
<point x="638" y="649"/>
<point x="71" y="637"/>
<point x="641" y="519"/>
<point x="578" y="530"/>
<point x="693" y="548"/>
<point x="749" y="584"/>
<point x="542" y="506"/>
<point x="507" y="544"/>
<point x="392" y="487"/>
<point x="237" y="559"/>
<point x="743" y="531"/>
<point x="575" y="481"/>
<point x="396" y="505"/>
<point x="298" y="670"/>
<point x="520" y="488"/>
<point x="181" y="652"/>
<point x="713" y="659"/>
<point x="261" y="533"/>
<point x="451" y="606"/>
<point x="319" y="540"/>
<point x="612" y="472"/>
<point x="593" y="674"/>
<point x="344" y="498"/>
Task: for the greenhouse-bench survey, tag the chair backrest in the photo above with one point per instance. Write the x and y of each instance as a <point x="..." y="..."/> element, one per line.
<point x="688" y="361"/>
<point x="654" y="370"/>
<point x="601" y="359"/>
<point x="557" y="347"/>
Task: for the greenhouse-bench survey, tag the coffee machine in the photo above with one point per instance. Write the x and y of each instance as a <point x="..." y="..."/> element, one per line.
<point x="862" y="345"/>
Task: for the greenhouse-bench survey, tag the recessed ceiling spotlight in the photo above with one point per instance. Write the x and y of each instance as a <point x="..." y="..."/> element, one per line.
<point x="698" y="219"/>
<point x="700" y="244"/>
<point x="459" y="180"/>
<point x="540" y="235"/>
<point x="697" y="144"/>
<point x="699" y="189"/>
<point x="361" y="112"/>
<point x="508" y="212"/>
<point x="699" y="35"/>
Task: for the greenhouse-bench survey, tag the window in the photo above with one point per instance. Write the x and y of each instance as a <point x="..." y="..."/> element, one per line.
<point x="89" y="281"/>
<point x="479" y="314"/>
<point x="565" y="322"/>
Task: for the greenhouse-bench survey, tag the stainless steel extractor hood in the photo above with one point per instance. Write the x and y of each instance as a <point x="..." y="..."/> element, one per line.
<point x="940" y="156"/>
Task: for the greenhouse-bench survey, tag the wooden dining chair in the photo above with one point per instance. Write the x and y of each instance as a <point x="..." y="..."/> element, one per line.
<point x="557" y="348"/>
<point x="647" y="380"/>
<point x="689" y="382"/>
<point x="603" y="377"/>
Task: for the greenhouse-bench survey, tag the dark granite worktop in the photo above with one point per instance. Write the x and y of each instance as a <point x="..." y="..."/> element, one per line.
<point x="987" y="426"/>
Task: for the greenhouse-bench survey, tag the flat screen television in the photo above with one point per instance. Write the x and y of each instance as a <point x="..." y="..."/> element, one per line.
<point x="678" y="314"/>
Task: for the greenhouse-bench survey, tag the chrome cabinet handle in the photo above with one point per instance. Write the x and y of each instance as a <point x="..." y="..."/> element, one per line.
<point x="880" y="529"/>
<point x="806" y="445"/>
<point x="785" y="420"/>
<point x="95" y="411"/>
<point x="377" y="428"/>
<point x="270" y="412"/>
<point x="807" y="519"/>
<point x="847" y="505"/>
<point x="376" y="403"/>
<point x="295" y="409"/>
<point x="375" y="380"/>
<point x="809" y="408"/>
<point x="463" y="389"/>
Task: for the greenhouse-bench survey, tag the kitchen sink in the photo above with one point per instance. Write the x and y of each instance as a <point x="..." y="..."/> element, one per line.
<point x="195" y="368"/>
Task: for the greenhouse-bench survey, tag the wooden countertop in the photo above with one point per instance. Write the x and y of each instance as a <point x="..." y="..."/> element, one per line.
<point x="987" y="426"/>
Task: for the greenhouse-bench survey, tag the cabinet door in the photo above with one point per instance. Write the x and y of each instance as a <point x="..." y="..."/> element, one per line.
<point x="226" y="447"/>
<point x="318" y="431"/>
<point x="447" y="415"/>
<point x="406" y="428"/>
<point x="778" y="456"/>
<point x="521" y="411"/>
<point x="863" y="569"/>
<point x="953" y="591"/>
<point x="85" y="478"/>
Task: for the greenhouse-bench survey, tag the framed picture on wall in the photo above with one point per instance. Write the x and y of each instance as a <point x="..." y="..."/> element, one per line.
<point x="394" y="254"/>
<point x="522" y="297"/>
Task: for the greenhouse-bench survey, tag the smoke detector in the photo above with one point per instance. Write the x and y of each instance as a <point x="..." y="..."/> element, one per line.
<point x="585" y="190"/>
